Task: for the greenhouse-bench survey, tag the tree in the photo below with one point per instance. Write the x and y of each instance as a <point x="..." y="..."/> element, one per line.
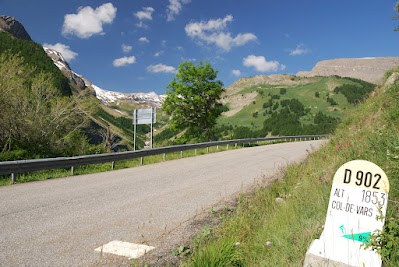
<point x="34" y="115"/>
<point x="192" y="100"/>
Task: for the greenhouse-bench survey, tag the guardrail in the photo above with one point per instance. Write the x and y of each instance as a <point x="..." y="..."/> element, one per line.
<point x="23" y="166"/>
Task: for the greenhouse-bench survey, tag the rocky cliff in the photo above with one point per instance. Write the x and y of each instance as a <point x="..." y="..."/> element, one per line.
<point x="75" y="79"/>
<point x="367" y="69"/>
<point x="12" y="26"/>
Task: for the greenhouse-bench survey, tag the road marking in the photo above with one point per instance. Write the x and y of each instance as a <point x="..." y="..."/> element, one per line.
<point x="125" y="249"/>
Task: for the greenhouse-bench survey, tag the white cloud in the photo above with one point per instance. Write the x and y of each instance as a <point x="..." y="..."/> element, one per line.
<point x="174" y="8"/>
<point x="144" y="40"/>
<point x="161" y="68"/>
<point x="126" y="48"/>
<point x="88" y="21"/>
<point x="124" y="61"/>
<point x="145" y="14"/>
<point x="236" y="73"/>
<point x="261" y="65"/>
<point x="214" y="32"/>
<point x="299" y="50"/>
<point x="66" y="52"/>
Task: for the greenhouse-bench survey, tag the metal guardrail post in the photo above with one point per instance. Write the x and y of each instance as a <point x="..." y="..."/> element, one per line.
<point x="181" y="154"/>
<point x="72" y="170"/>
<point x="207" y="149"/>
<point x="164" y="156"/>
<point x="227" y="147"/>
<point x="13" y="178"/>
<point x="195" y="152"/>
<point x="113" y="165"/>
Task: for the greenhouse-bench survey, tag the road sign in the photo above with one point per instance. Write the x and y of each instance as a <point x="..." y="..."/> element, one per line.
<point x="144" y="116"/>
<point x="357" y="207"/>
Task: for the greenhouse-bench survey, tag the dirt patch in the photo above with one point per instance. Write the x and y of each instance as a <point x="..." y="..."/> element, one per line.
<point x="331" y="85"/>
<point x="238" y="102"/>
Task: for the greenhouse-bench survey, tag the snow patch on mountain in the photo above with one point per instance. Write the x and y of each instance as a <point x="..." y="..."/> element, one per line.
<point x="57" y="58"/>
<point x="110" y="96"/>
<point x="104" y="96"/>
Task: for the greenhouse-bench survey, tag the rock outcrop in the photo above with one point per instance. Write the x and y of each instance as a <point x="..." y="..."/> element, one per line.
<point x="75" y="79"/>
<point x="394" y="78"/>
<point x="12" y="26"/>
<point x="368" y="69"/>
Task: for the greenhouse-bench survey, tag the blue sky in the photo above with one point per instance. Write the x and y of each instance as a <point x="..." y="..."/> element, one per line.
<point x="136" y="45"/>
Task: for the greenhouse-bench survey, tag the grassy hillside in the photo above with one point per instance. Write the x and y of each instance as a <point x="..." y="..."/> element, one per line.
<point x="272" y="233"/>
<point x="286" y="105"/>
<point x="317" y="94"/>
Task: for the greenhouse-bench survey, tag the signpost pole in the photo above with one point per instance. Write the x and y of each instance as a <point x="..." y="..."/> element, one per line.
<point x="152" y="120"/>
<point x="135" y="125"/>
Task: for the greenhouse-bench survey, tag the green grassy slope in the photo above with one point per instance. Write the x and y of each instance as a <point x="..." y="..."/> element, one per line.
<point x="278" y="234"/>
<point x="305" y="91"/>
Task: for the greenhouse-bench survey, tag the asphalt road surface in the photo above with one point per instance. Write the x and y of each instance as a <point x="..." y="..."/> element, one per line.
<point x="61" y="222"/>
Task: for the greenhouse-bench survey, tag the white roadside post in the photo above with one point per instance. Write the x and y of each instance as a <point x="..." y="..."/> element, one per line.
<point x="357" y="207"/>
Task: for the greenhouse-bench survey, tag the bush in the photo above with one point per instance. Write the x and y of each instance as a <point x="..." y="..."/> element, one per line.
<point x="355" y="93"/>
<point x="14" y="155"/>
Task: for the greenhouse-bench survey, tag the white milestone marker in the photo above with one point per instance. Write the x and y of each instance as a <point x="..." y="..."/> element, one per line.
<point x="125" y="249"/>
<point x="357" y="207"/>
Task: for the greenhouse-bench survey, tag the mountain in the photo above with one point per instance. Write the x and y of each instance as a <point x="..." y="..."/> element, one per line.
<point x="108" y="120"/>
<point x="75" y="79"/>
<point x="368" y="69"/>
<point x="106" y="97"/>
<point x="12" y="26"/>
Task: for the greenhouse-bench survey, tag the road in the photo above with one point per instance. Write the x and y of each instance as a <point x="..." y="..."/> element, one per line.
<point x="61" y="222"/>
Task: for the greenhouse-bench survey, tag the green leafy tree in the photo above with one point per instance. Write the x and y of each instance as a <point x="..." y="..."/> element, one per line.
<point x="193" y="100"/>
<point x="34" y="115"/>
